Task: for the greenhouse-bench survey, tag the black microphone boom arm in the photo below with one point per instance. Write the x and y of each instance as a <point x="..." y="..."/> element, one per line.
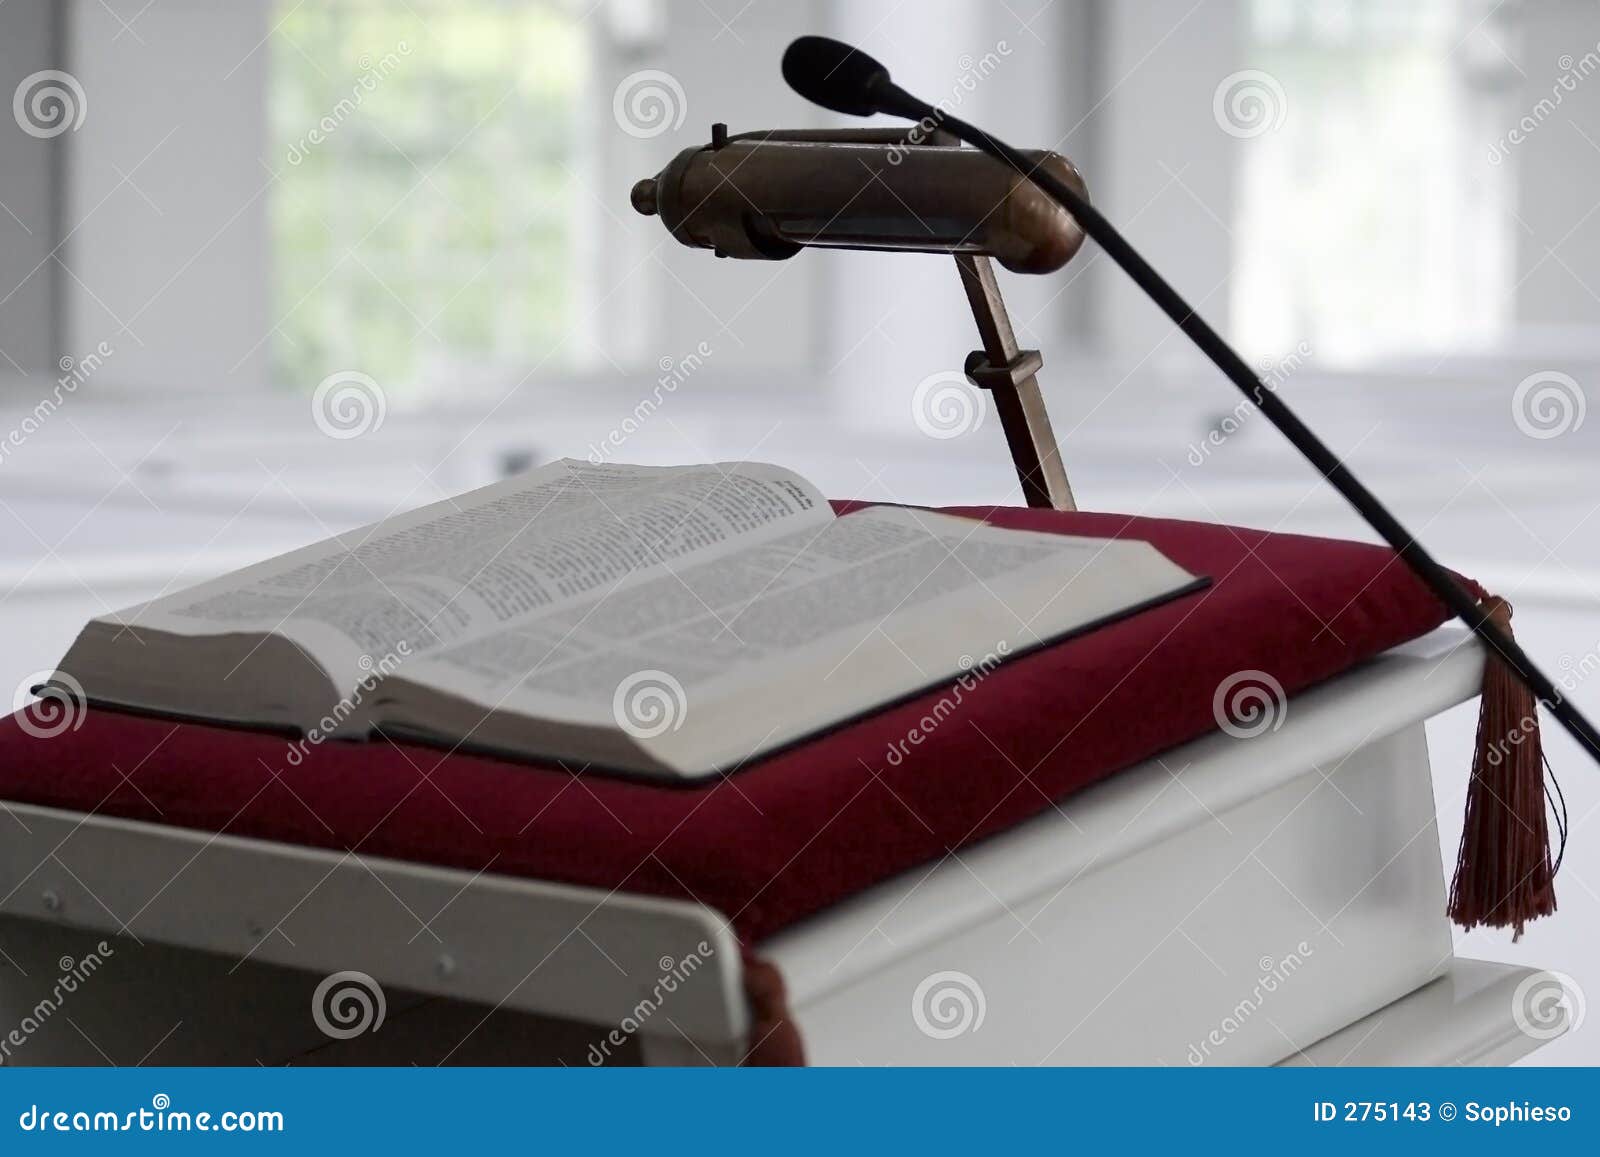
<point x="839" y="77"/>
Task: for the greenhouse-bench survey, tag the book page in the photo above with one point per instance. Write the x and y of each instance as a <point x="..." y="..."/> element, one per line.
<point x="470" y="566"/>
<point x="808" y="602"/>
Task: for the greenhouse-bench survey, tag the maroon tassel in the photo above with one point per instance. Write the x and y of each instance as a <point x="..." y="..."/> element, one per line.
<point x="1504" y="873"/>
<point x="774" y="1037"/>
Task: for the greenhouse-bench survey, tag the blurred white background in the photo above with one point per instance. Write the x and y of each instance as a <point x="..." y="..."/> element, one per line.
<point x="1390" y="204"/>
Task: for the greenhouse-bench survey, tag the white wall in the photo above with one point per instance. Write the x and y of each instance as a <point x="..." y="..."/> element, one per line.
<point x="1124" y="89"/>
<point x="755" y="315"/>
<point x="893" y="320"/>
<point x="1167" y="177"/>
<point x="29" y="184"/>
<point x="1558" y="168"/>
<point x="167" y="193"/>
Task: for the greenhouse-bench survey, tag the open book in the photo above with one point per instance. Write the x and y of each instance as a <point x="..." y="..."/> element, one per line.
<point x="674" y="622"/>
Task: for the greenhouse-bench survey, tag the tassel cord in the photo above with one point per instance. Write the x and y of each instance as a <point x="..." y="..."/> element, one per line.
<point x="1504" y="875"/>
<point x="1558" y="810"/>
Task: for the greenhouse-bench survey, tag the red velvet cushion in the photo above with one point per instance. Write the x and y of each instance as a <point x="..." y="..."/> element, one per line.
<point x="795" y="833"/>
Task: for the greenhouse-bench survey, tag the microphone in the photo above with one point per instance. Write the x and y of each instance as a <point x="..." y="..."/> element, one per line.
<point x="764" y="196"/>
<point x="844" y="79"/>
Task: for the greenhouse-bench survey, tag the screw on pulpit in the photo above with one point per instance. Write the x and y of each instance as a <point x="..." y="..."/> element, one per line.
<point x="1011" y="375"/>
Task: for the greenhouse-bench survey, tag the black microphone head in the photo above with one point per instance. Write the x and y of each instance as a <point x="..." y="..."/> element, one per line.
<point x="834" y="75"/>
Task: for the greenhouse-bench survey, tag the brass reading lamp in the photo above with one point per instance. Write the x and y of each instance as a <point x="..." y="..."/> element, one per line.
<point x="767" y="195"/>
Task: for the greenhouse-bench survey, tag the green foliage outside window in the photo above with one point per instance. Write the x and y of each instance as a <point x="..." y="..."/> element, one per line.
<point x="421" y="225"/>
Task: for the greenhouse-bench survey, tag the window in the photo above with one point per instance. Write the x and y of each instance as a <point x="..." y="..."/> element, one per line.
<point x="422" y="227"/>
<point x="1370" y="220"/>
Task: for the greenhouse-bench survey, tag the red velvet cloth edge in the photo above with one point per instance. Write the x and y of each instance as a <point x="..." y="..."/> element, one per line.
<point x="791" y="835"/>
